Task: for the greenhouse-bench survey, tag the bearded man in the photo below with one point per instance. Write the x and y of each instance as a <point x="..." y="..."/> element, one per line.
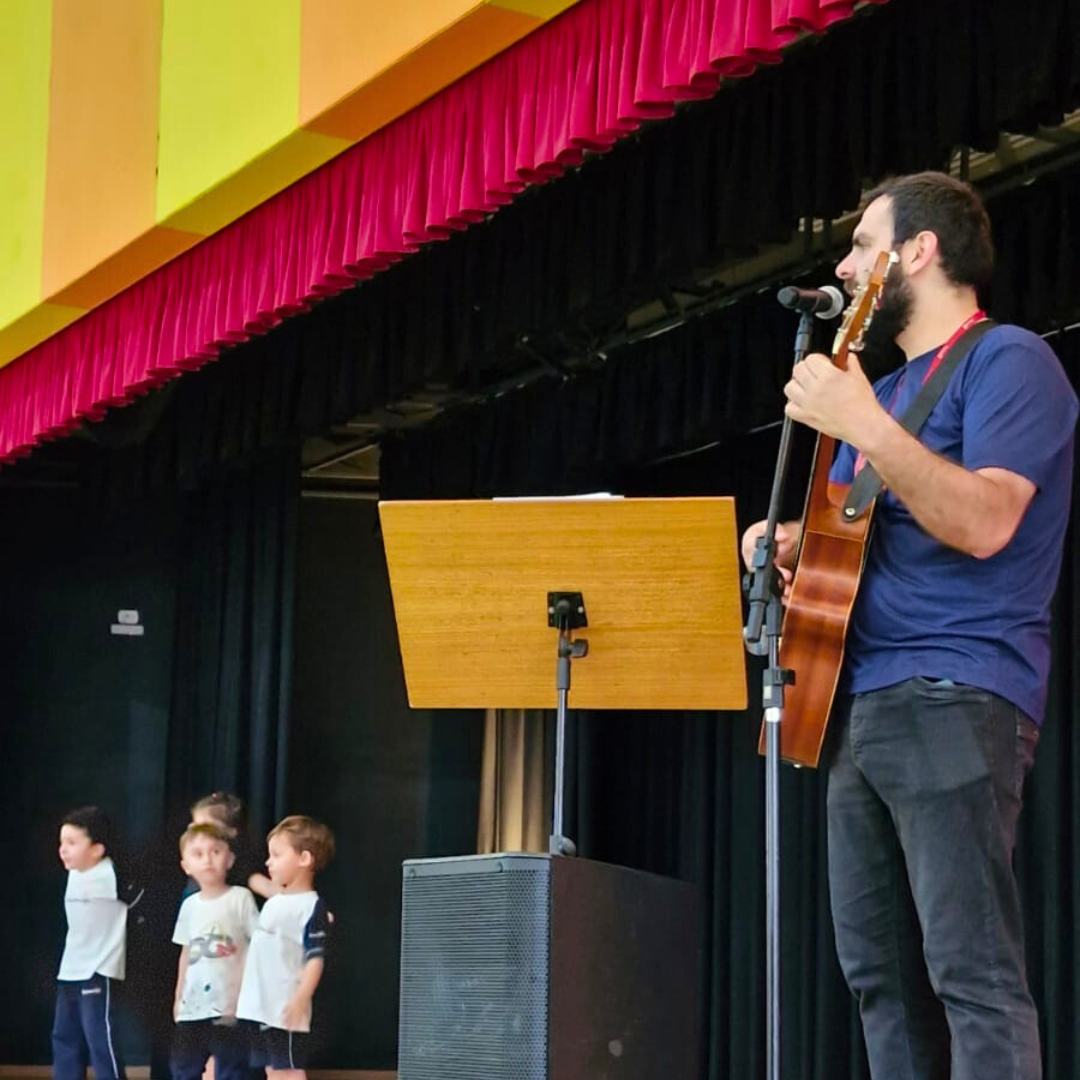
<point x="948" y="650"/>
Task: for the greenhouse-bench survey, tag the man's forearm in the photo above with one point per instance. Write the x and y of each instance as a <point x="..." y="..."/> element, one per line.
<point x="962" y="509"/>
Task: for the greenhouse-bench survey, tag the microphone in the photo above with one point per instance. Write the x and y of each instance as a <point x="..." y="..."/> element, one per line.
<point x="826" y="302"/>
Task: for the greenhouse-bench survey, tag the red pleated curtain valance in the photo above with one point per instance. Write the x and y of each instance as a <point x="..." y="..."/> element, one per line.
<point x="578" y="83"/>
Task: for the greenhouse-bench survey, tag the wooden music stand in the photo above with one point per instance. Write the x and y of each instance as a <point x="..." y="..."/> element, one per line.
<point x="479" y="588"/>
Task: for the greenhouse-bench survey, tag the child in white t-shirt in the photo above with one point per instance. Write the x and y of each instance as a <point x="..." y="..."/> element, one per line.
<point x="214" y="929"/>
<point x="288" y="948"/>
<point x="96" y="902"/>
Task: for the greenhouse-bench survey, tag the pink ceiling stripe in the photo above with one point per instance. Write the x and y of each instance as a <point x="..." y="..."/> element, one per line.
<point x="581" y="82"/>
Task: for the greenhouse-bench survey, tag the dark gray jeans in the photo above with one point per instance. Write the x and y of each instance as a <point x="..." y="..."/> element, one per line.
<point x="925" y="783"/>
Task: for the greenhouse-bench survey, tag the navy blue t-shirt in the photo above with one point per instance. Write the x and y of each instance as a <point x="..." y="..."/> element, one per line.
<point x="926" y="609"/>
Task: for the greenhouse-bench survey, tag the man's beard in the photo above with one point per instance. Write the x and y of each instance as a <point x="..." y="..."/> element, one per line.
<point x="880" y="352"/>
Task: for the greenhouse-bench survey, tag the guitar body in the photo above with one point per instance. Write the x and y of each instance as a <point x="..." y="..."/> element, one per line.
<point x="832" y="553"/>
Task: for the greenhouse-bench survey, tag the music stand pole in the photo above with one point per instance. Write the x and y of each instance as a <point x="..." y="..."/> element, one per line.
<point x="566" y="612"/>
<point x="765" y="590"/>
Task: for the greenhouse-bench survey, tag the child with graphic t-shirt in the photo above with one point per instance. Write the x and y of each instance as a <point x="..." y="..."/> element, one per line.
<point x="214" y="929"/>
<point x="96" y="902"/>
<point x="287" y="953"/>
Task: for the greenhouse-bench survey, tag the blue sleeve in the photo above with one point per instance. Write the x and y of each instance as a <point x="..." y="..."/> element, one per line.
<point x="1019" y="409"/>
<point x="317" y="931"/>
<point x="843" y="466"/>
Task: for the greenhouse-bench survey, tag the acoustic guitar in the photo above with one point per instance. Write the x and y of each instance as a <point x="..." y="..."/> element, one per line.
<point x="829" y="563"/>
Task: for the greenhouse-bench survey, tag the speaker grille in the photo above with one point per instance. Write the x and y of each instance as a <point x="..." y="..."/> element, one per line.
<point x="474" y="974"/>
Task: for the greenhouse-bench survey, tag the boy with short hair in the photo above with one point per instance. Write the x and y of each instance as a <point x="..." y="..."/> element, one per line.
<point x="287" y="953"/>
<point x="96" y="904"/>
<point x="214" y="929"/>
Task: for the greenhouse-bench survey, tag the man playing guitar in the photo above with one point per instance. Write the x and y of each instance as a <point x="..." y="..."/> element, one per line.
<point x="946" y="658"/>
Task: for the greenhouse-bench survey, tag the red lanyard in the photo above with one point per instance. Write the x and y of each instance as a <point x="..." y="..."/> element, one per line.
<point x="958" y="333"/>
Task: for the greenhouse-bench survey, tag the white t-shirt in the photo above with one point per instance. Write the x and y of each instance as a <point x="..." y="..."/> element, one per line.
<point x="292" y="930"/>
<point x="217" y="933"/>
<point x="97" y="924"/>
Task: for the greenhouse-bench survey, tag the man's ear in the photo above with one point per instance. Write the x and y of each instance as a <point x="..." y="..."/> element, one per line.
<point x="307" y="859"/>
<point x="184" y="866"/>
<point x="231" y="859"/>
<point x="98" y="851"/>
<point x="923" y="250"/>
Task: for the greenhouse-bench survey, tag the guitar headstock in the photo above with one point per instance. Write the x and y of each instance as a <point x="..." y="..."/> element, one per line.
<point x="860" y="312"/>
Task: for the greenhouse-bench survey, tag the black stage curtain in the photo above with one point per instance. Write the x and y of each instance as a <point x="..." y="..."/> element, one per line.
<point x="707" y="381"/>
<point x="892" y="90"/>
<point x="232" y="682"/>
<point x="394" y="783"/>
<point x="231" y="689"/>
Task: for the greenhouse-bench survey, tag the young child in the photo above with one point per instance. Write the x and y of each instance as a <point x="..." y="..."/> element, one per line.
<point x="227" y="811"/>
<point x="214" y="928"/>
<point x="96" y="903"/>
<point x="287" y="953"/>
<point x="219" y="808"/>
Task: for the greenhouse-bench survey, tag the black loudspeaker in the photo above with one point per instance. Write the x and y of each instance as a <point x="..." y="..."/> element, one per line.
<point x="540" y="967"/>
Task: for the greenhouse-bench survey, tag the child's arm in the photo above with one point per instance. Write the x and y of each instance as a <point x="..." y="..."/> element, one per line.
<point x="182" y="937"/>
<point x="181" y="975"/>
<point x="262" y="886"/>
<point x="296" y="1012"/>
<point x="131" y="892"/>
<point x="316" y="936"/>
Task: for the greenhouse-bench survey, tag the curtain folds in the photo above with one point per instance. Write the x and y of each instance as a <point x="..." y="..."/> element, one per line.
<point x="515" y="781"/>
<point x="580" y="83"/>
<point x="232" y="677"/>
<point x="711" y="379"/>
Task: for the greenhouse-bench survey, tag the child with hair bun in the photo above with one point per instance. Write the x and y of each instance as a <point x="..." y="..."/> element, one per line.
<point x="226" y="811"/>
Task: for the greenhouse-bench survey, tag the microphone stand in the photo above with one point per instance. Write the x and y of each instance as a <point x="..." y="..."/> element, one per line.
<point x="764" y="587"/>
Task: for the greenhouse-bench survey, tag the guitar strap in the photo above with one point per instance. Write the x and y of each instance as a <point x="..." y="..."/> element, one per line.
<point x="867" y="485"/>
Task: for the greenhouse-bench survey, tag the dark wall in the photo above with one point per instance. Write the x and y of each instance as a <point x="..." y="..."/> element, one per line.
<point x="392" y="783"/>
<point x="83" y="715"/>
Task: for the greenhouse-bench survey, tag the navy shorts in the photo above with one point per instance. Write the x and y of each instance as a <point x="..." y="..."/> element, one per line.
<point x="274" y="1048"/>
<point x="194" y="1041"/>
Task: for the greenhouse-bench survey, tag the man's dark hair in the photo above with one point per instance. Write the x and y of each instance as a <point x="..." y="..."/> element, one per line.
<point x="950" y="209"/>
<point x="93" y="821"/>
